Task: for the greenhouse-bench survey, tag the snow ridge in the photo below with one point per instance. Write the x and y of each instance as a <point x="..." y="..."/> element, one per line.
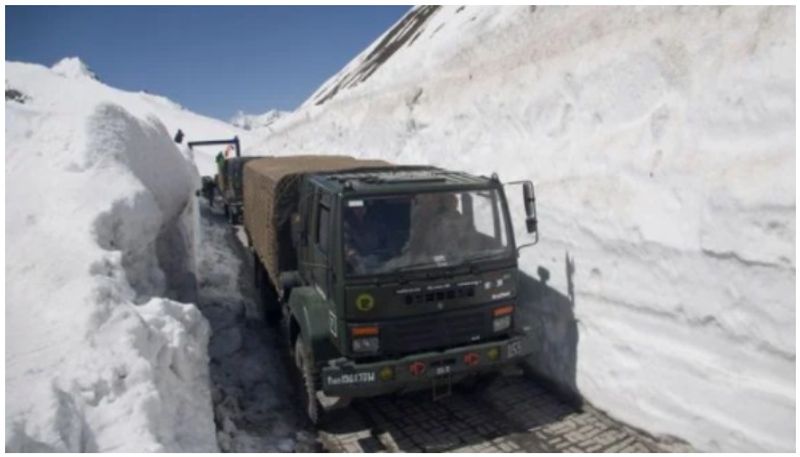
<point x="256" y="121"/>
<point x="104" y="352"/>
<point x="662" y="144"/>
<point x="73" y="67"/>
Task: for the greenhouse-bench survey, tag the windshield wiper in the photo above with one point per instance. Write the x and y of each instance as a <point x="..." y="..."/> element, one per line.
<point x="471" y="261"/>
<point x="419" y="266"/>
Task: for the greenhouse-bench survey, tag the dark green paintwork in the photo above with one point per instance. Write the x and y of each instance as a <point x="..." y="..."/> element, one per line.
<point x="325" y="303"/>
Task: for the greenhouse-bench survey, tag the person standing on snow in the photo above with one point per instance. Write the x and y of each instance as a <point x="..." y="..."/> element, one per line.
<point x="220" y="159"/>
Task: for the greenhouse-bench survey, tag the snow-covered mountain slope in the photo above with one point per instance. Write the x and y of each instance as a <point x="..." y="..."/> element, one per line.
<point x="74" y="68"/>
<point x="256" y="121"/>
<point x="662" y="144"/>
<point x="85" y="87"/>
<point x="102" y="352"/>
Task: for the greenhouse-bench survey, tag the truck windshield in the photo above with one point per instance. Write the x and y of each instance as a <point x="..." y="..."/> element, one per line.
<point x="385" y="234"/>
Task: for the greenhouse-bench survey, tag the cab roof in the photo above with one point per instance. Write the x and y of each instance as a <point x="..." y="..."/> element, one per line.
<point x="396" y="178"/>
<point x="354" y="176"/>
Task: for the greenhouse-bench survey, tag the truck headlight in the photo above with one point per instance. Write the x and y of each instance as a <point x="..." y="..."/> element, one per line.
<point x="501" y="323"/>
<point x="368" y="344"/>
<point x="502" y="317"/>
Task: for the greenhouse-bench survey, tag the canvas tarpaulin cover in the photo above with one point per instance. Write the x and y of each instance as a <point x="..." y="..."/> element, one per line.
<point x="271" y="196"/>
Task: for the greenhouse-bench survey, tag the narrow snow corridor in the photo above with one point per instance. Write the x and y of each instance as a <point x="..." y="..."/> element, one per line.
<point x="254" y="402"/>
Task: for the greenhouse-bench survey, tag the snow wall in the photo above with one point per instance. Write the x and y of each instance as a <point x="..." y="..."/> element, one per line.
<point x="662" y="144"/>
<point x="102" y="351"/>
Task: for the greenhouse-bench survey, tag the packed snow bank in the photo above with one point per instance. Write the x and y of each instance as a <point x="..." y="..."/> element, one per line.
<point x="83" y="88"/>
<point x="256" y="121"/>
<point x="254" y="403"/>
<point x="100" y="230"/>
<point x="662" y="143"/>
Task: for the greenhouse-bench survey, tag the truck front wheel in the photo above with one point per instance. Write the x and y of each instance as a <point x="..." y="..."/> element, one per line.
<point x="305" y="365"/>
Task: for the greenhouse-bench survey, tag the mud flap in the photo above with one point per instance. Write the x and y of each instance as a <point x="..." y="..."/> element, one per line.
<point x="442" y="386"/>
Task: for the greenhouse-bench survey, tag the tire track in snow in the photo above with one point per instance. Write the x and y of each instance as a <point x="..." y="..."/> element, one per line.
<point x="254" y="401"/>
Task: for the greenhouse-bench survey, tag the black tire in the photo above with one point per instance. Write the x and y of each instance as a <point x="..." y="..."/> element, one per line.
<point x="256" y="272"/>
<point x="270" y="303"/>
<point x="304" y="361"/>
<point x="267" y="297"/>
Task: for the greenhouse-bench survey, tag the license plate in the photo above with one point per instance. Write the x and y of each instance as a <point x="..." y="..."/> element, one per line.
<point x="350" y="378"/>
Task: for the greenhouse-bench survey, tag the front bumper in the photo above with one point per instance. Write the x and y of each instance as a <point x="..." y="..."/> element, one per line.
<point x="343" y="377"/>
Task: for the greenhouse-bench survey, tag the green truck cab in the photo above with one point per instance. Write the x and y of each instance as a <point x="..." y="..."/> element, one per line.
<point x="388" y="278"/>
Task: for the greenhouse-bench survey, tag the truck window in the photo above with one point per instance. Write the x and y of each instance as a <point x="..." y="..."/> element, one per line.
<point x="485" y="203"/>
<point x="322" y="228"/>
<point x="384" y="234"/>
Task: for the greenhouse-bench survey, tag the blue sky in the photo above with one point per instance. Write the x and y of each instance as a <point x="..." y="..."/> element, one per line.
<point x="212" y="60"/>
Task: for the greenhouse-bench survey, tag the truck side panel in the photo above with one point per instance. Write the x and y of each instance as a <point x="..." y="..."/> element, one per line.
<point x="271" y="196"/>
<point x="258" y="209"/>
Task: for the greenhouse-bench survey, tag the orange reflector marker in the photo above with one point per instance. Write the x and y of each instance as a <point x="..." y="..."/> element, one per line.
<point x="503" y="310"/>
<point x="417" y="368"/>
<point x="472" y="358"/>
<point x="371" y="330"/>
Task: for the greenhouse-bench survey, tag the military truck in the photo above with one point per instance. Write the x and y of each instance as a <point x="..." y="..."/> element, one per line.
<point x="228" y="179"/>
<point x="229" y="183"/>
<point x="387" y="278"/>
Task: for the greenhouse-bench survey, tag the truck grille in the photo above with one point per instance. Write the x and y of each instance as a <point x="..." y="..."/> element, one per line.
<point x="436" y="331"/>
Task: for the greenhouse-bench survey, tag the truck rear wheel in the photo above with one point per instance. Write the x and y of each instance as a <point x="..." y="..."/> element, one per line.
<point x="305" y="366"/>
<point x="267" y="297"/>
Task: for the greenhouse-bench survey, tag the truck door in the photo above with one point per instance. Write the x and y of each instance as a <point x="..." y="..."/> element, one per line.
<point x="321" y="252"/>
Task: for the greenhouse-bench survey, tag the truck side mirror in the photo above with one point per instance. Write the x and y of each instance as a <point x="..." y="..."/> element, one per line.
<point x="529" y="200"/>
<point x="529" y="197"/>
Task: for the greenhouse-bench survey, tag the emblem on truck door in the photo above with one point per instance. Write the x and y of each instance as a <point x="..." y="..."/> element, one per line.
<point x="365" y="302"/>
